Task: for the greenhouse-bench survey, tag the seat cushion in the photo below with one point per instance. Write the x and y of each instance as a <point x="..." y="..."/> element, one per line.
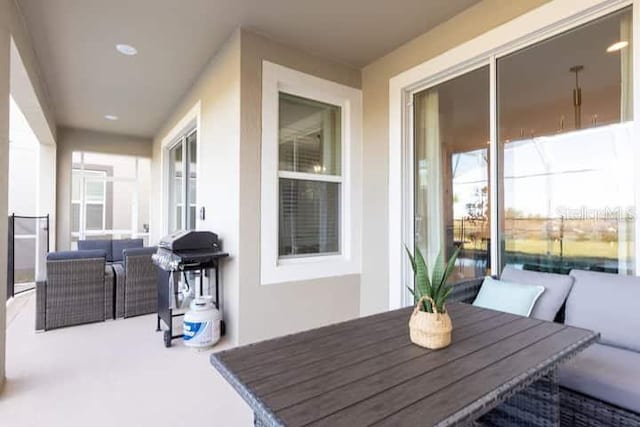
<point x="508" y="297"/>
<point x="120" y="245"/>
<point x="606" y="303"/>
<point x="556" y="290"/>
<point x="606" y="373"/>
<point x="105" y="245"/>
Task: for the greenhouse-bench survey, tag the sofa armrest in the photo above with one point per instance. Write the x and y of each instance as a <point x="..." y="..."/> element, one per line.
<point x="119" y="283"/>
<point x="466" y="291"/>
<point x="41" y="305"/>
<point x="109" y="292"/>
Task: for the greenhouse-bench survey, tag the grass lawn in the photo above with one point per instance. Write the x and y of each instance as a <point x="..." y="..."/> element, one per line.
<point x="588" y="248"/>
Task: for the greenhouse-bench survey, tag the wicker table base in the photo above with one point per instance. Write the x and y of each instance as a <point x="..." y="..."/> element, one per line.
<point x="536" y="405"/>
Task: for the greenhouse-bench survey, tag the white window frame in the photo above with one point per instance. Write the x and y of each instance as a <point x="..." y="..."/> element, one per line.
<point x="553" y="18"/>
<point x="186" y="179"/>
<point x="275" y="269"/>
<point x="188" y="123"/>
<point x="89" y="174"/>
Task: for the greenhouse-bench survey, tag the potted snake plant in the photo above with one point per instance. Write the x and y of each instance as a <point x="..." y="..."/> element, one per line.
<point x="430" y="325"/>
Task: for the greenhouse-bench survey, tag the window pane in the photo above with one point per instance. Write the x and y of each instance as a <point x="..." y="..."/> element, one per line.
<point x="566" y="167"/>
<point x="309" y="217"/>
<point x="75" y="217"/>
<point x="568" y="82"/>
<point x="310" y="136"/>
<point x="94" y="191"/>
<point x="95" y="215"/>
<point x="191" y="191"/>
<point x="452" y="172"/>
<point x="76" y="185"/>
<point x="175" y="187"/>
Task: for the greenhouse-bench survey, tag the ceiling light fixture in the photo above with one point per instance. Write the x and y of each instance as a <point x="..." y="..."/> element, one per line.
<point x="126" y="49"/>
<point x="618" y="46"/>
<point x="111" y="117"/>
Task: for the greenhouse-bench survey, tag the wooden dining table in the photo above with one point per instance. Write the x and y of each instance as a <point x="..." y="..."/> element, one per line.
<point x="500" y="369"/>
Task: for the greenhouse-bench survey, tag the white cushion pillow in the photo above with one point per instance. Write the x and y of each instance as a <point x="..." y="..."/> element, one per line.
<point x="556" y="289"/>
<point x="514" y="298"/>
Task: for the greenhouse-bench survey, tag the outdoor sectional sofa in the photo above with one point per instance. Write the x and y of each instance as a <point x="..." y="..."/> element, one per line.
<point x="601" y="385"/>
<point x="104" y="279"/>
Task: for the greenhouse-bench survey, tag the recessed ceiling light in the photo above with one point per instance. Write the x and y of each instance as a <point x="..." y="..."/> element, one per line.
<point x="111" y="117"/>
<point x="126" y="49"/>
<point x="618" y="46"/>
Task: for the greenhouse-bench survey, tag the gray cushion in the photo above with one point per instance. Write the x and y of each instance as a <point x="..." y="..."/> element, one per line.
<point x="120" y="245"/>
<point x="105" y="245"/>
<point x="607" y="373"/>
<point x="606" y="303"/>
<point x="69" y="255"/>
<point x="556" y="289"/>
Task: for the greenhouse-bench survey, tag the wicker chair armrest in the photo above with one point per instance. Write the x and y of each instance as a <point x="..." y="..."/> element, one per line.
<point x="109" y="292"/>
<point x="466" y="291"/>
<point x="119" y="283"/>
<point x="41" y="305"/>
<point x="141" y="289"/>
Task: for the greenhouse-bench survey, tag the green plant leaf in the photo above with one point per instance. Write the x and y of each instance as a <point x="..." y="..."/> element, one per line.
<point x="415" y="298"/>
<point x="446" y="271"/>
<point x="451" y="264"/>
<point x="442" y="298"/>
<point x="422" y="285"/>
<point x="411" y="259"/>
<point x="438" y="270"/>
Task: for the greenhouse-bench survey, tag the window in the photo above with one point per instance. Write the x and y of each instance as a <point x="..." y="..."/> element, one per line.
<point x="93" y="204"/>
<point x="310" y="175"/>
<point x="109" y="196"/>
<point x="182" y="192"/>
<point x="556" y="186"/>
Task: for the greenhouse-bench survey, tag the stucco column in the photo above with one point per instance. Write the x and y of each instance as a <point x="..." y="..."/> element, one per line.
<point x="5" y="38"/>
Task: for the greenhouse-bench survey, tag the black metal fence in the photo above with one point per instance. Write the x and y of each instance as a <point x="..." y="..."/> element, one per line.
<point x="27" y="250"/>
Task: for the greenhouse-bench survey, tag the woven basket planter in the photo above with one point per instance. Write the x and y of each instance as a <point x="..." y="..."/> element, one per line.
<point x="430" y="330"/>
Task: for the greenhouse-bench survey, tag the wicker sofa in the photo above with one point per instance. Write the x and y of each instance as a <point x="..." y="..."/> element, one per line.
<point x="601" y="385"/>
<point x="78" y="289"/>
<point x="136" y="283"/>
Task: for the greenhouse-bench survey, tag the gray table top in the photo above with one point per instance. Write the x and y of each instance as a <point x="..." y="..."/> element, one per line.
<point x="366" y="371"/>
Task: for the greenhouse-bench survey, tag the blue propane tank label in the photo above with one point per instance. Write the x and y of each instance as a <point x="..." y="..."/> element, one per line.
<point x="198" y="332"/>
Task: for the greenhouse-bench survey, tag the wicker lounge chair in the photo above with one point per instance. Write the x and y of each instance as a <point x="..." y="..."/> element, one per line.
<point x="136" y="283"/>
<point x="78" y="289"/>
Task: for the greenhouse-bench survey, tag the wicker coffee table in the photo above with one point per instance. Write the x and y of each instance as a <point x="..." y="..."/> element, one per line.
<point x="500" y="370"/>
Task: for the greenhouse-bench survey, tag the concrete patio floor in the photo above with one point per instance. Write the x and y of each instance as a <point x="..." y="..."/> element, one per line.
<point x="115" y="373"/>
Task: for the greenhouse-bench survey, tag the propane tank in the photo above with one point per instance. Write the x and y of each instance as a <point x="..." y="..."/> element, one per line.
<point x="202" y="323"/>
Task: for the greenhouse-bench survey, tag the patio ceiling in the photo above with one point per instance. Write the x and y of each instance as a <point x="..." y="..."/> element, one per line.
<point x="87" y="79"/>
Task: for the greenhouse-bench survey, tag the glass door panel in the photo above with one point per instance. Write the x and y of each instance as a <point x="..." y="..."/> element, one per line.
<point x="176" y="188"/>
<point x="192" y="148"/>
<point x="451" y="152"/>
<point x="566" y="155"/>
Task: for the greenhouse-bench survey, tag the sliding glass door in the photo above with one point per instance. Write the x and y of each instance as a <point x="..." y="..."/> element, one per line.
<point x="182" y="183"/>
<point x="451" y="200"/>
<point x="529" y="160"/>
